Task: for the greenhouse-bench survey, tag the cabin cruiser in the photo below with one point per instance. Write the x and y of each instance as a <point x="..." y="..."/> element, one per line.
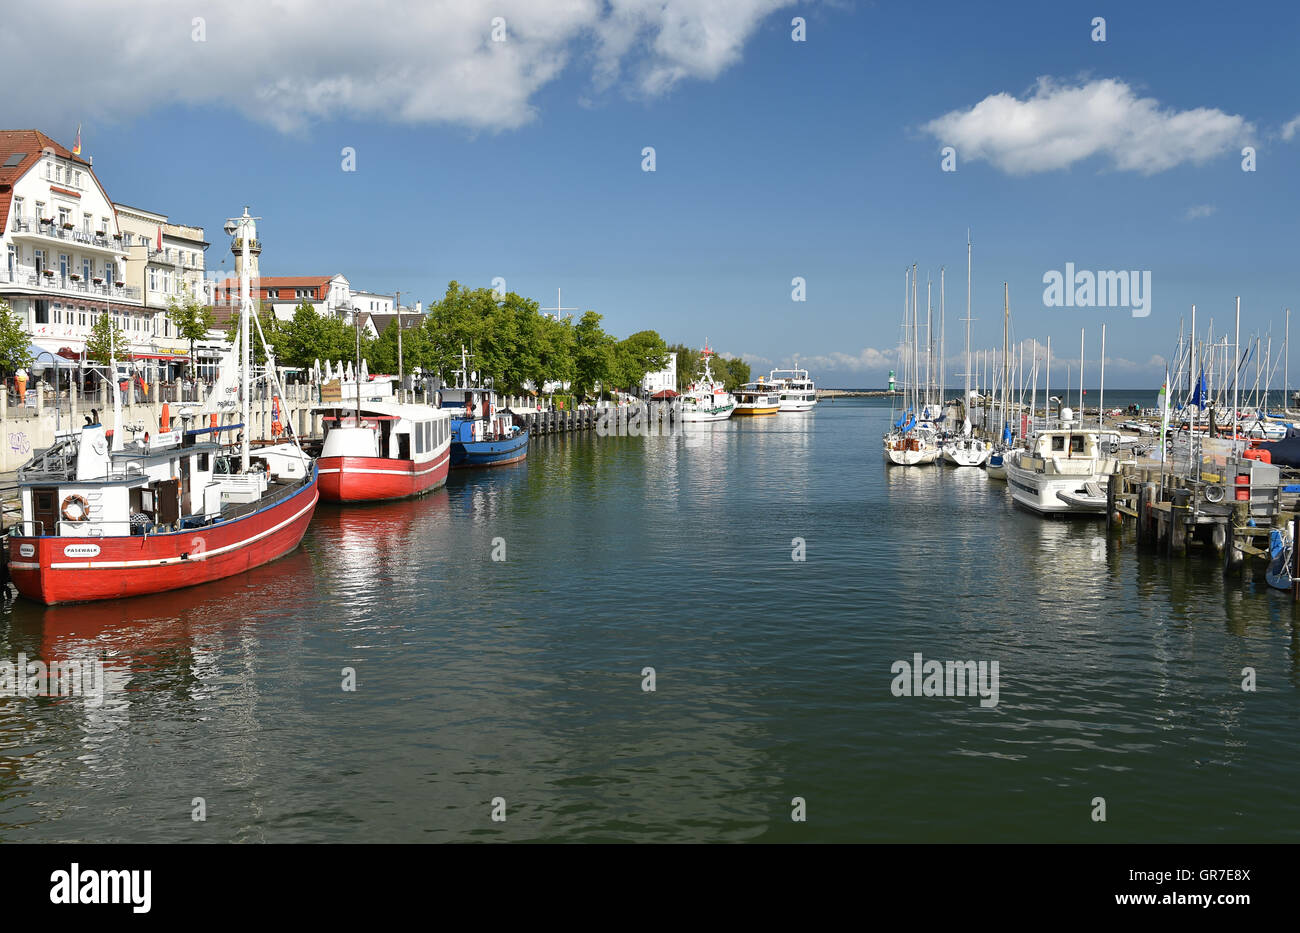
<point x="706" y="399"/>
<point x="797" y="391"/>
<point x="1063" y="471"/>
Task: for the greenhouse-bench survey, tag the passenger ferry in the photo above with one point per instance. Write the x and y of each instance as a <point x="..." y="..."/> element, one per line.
<point x="758" y="398"/>
<point x="797" y="391"/>
<point x="383" y="450"/>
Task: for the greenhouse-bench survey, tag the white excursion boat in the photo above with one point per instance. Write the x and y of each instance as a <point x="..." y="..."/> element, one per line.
<point x="1064" y="471"/>
<point x="706" y="399"/>
<point x="758" y="398"/>
<point x="797" y="391"/>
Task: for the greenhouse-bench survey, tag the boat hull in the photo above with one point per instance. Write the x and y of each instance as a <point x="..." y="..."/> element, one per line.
<point x="703" y="415"/>
<point x="750" y="411"/>
<point x="376" y="479"/>
<point x="965" y="456"/>
<point x="489" y="453"/>
<point x="118" y="566"/>
<point x="807" y="404"/>
<point x="1055" y="495"/>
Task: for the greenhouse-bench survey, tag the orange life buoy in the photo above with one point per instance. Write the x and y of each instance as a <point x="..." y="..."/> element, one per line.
<point x="79" y="502"/>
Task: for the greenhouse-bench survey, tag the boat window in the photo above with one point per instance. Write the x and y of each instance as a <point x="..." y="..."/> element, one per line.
<point x="1058" y="443"/>
<point x="203" y="463"/>
<point x="1076" y="443"/>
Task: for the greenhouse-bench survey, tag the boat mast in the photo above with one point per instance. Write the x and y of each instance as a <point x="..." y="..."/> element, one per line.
<point x="246" y="232"/>
<point x="1047" y="387"/>
<point x="929" y="343"/>
<point x="1006" y="348"/>
<point x="916" y="360"/>
<point x="1236" y="383"/>
<point x="1286" y="364"/>
<point x="965" y="399"/>
<point x="942" y="360"/>
<point x="1101" y="398"/>
<point x="1080" y="377"/>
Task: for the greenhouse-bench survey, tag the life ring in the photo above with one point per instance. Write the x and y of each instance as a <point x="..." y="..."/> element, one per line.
<point x="79" y="502"/>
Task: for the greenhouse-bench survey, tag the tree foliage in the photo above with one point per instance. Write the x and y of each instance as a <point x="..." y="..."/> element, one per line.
<point x="191" y="319"/>
<point x="106" y="341"/>
<point x="15" y="343"/>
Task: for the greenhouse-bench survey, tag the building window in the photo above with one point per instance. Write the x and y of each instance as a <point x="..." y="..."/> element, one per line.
<point x="18" y="209"/>
<point x="153" y="280"/>
<point x="40" y="211"/>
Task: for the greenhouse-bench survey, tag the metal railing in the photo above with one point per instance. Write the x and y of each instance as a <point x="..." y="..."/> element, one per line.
<point x="57" y="231"/>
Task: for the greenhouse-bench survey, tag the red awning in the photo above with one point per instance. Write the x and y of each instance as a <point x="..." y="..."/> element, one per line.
<point x="159" y="356"/>
<point x="664" y="393"/>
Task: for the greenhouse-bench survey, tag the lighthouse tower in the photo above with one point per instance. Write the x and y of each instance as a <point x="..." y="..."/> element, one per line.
<point x="254" y="249"/>
<point x="891" y="380"/>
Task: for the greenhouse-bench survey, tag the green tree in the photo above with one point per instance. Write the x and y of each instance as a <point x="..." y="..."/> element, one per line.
<point x="734" y="372"/>
<point x="643" y="352"/>
<point x="191" y="319"/>
<point x="15" y="343"/>
<point x="382" y="351"/>
<point x="106" y="341"/>
<point x="593" y="355"/>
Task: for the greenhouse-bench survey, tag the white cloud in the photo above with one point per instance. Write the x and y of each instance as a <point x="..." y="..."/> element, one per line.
<point x="1290" y="127"/>
<point x="1199" y="210"/>
<point x="293" y="62"/>
<point x="1057" y="125"/>
<point x="868" y="358"/>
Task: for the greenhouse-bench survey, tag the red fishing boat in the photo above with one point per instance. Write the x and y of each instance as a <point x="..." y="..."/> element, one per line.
<point x="102" y="518"/>
<point x="383" y="450"/>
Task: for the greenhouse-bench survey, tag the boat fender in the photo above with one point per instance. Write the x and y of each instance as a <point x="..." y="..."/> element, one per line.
<point x="1215" y="493"/>
<point x="79" y="503"/>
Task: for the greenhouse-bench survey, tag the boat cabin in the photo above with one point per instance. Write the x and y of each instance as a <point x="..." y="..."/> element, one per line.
<point x="82" y="487"/>
<point x="385" y="430"/>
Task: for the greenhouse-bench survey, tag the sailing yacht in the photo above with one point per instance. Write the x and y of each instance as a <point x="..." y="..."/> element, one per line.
<point x="797" y="391"/>
<point x="706" y="399"/>
<point x="965" y="450"/>
<point x="911" y="441"/>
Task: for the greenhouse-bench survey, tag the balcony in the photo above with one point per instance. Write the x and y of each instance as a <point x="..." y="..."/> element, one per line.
<point x="55" y="285"/>
<point x="162" y="258"/>
<point x="32" y="229"/>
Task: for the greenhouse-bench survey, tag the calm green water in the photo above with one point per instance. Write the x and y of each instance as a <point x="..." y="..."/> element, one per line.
<point x="476" y="679"/>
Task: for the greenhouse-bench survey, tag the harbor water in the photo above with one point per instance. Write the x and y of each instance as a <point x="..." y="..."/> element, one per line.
<point x="518" y="686"/>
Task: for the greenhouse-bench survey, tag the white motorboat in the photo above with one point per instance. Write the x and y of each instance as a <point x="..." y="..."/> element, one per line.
<point x="706" y="399"/>
<point x="1064" y="471"/>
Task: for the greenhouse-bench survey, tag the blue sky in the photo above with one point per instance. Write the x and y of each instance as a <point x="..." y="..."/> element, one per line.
<point x="774" y="158"/>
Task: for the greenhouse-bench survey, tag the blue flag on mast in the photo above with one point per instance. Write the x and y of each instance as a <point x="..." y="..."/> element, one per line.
<point x="1198" y="397"/>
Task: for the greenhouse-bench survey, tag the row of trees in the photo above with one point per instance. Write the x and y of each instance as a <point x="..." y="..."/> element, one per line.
<point x="509" y="339"/>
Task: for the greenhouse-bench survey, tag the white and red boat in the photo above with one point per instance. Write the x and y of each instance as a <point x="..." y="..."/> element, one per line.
<point x="100" y="523"/>
<point x="103" y="519"/>
<point x="383" y="450"/>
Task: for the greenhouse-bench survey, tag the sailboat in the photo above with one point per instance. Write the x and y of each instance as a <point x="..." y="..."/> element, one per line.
<point x="911" y="441"/>
<point x="967" y="450"/>
<point x="104" y="518"/>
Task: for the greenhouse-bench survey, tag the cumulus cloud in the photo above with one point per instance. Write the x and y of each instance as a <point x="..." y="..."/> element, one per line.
<point x="1290" y="127"/>
<point x="1199" y="210"/>
<point x="294" y="62"/>
<point x="1058" y="125"/>
<point x="868" y="358"/>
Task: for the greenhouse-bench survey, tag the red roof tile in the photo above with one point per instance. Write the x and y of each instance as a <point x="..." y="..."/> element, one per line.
<point x="32" y="143"/>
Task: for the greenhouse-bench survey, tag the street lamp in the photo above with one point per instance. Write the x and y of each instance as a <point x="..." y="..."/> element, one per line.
<point x="58" y="410"/>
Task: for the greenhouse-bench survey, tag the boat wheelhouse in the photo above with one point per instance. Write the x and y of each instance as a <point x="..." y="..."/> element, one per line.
<point x="383" y="450"/>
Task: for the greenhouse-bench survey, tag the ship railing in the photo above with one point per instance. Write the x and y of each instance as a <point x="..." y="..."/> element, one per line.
<point x="18" y="528"/>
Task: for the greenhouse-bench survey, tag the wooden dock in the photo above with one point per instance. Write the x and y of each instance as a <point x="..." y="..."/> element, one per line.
<point x="1225" y="515"/>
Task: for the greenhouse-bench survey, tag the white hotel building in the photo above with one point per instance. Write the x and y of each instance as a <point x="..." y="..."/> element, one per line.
<point x="64" y="254"/>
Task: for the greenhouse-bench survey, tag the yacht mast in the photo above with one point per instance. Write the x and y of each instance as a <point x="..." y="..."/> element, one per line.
<point x="916" y="360"/>
<point x="1101" y="398"/>
<point x="942" y="334"/>
<point x="1006" y="348"/>
<point x="965" y="399"/>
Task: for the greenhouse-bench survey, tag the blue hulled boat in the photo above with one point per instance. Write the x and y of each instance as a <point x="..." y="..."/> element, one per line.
<point x="482" y="434"/>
